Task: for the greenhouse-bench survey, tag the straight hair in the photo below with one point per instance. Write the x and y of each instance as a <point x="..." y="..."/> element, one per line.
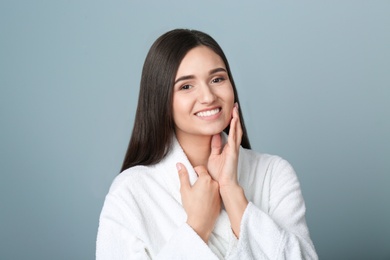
<point x="154" y="127"/>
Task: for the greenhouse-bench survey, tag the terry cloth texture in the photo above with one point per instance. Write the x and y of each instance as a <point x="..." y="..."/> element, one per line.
<point x="143" y="217"/>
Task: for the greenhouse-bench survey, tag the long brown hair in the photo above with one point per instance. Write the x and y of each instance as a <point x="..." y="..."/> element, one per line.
<point x="153" y="129"/>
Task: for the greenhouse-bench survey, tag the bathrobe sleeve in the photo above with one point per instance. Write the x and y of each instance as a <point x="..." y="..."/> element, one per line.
<point x="186" y="244"/>
<point x="281" y="232"/>
<point x="122" y="235"/>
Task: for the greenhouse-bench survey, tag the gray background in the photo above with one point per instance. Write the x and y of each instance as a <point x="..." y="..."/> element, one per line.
<point x="314" y="84"/>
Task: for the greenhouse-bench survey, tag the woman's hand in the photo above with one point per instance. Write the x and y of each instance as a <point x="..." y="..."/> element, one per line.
<point x="201" y="202"/>
<point x="223" y="161"/>
<point x="222" y="164"/>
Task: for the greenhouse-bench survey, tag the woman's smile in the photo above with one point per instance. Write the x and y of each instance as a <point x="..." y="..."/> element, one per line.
<point x="203" y="96"/>
<point x="208" y="113"/>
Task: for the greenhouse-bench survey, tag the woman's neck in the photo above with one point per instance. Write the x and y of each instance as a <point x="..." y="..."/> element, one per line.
<point x="197" y="149"/>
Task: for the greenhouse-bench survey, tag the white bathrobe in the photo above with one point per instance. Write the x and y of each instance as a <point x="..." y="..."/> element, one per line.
<point x="143" y="217"/>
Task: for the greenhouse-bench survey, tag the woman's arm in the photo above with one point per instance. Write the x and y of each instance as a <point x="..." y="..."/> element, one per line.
<point x="222" y="165"/>
<point x="114" y="241"/>
<point x="126" y="232"/>
<point x="281" y="232"/>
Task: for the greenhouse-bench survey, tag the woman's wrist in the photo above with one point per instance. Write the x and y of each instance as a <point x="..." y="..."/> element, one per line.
<point x="235" y="202"/>
<point x="200" y="230"/>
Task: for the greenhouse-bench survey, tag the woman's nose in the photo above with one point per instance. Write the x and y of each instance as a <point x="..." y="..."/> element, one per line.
<point x="206" y="94"/>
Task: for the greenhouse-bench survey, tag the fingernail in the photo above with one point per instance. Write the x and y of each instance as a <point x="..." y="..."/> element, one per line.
<point x="178" y="166"/>
<point x="236" y="105"/>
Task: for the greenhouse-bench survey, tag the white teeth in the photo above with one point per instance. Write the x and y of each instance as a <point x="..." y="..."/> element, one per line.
<point x="208" y="113"/>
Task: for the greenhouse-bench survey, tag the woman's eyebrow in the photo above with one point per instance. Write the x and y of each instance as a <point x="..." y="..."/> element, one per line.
<point x="211" y="72"/>
<point x="184" y="78"/>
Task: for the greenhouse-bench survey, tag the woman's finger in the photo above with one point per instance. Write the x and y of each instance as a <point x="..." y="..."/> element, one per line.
<point x="216" y="144"/>
<point x="232" y="132"/>
<point x="238" y="127"/>
<point x="183" y="176"/>
<point x="235" y="132"/>
<point x="201" y="171"/>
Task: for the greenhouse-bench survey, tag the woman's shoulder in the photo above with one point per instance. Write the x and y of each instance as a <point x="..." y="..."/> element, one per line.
<point x="263" y="158"/>
<point x="132" y="177"/>
<point x="264" y="162"/>
<point x="261" y="174"/>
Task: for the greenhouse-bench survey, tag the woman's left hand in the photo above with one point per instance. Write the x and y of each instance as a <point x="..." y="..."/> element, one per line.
<point x="222" y="166"/>
<point x="223" y="160"/>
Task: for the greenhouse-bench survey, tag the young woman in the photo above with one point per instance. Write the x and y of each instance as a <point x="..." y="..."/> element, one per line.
<point x="190" y="186"/>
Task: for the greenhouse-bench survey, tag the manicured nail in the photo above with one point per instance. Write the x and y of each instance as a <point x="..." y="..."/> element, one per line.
<point x="178" y="166"/>
<point x="236" y="108"/>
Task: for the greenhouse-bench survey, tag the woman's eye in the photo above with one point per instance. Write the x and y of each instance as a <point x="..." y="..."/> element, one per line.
<point x="185" y="87"/>
<point x="217" y="80"/>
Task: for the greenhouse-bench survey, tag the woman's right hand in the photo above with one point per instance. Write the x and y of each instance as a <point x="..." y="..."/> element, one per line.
<point x="202" y="201"/>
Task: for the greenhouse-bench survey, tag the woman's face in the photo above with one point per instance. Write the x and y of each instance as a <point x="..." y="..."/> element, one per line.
<point x="203" y="96"/>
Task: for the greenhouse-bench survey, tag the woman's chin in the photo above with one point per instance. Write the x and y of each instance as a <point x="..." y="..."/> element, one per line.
<point x="214" y="131"/>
